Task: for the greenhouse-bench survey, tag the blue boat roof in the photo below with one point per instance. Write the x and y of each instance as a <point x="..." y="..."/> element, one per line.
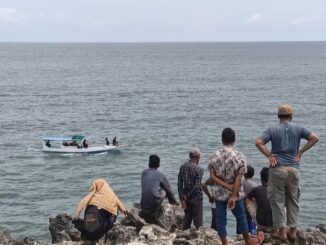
<point x="76" y="137"/>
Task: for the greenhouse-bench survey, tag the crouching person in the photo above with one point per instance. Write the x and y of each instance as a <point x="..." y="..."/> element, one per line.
<point x="101" y="209"/>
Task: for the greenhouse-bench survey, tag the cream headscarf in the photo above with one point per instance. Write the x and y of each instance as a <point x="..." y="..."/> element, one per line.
<point x="102" y="196"/>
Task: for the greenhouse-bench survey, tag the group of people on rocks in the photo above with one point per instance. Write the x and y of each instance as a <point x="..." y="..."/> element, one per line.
<point x="229" y="186"/>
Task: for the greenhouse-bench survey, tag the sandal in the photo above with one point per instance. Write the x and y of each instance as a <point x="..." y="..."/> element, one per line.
<point x="257" y="239"/>
<point x="291" y="238"/>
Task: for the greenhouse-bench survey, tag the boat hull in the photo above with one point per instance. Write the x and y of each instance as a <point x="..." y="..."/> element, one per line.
<point x="75" y="150"/>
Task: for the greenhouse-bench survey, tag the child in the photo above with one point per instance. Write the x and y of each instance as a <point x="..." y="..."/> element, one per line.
<point x="248" y="184"/>
<point x="209" y="182"/>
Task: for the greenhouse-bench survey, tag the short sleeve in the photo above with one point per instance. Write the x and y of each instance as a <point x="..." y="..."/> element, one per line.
<point x="305" y="133"/>
<point x="241" y="163"/>
<point x="266" y="136"/>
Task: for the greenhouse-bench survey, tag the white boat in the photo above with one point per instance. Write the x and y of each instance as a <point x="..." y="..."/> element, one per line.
<point x="72" y="144"/>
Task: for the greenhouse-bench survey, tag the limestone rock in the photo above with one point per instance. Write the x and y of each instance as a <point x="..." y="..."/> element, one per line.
<point x="62" y="229"/>
<point x="121" y="234"/>
<point x="7" y="239"/>
<point x="203" y="235"/>
<point x="313" y="236"/>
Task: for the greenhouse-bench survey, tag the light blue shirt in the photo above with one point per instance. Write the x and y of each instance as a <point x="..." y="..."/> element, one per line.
<point x="285" y="139"/>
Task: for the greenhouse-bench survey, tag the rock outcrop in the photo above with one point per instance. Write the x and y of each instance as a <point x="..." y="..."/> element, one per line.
<point x="133" y="230"/>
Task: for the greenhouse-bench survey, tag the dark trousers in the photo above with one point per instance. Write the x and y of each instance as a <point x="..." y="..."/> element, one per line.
<point x="213" y="222"/>
<point x="193" y="212"/>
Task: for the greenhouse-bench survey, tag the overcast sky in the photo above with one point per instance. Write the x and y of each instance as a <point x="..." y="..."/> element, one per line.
<point x="162" y="20"/>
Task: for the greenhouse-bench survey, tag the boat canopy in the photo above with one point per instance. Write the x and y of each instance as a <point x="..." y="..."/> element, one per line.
<point x="76" y="137"/>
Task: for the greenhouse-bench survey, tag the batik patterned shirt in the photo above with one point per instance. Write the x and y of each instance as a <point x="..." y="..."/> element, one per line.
<point x="189" y="181"/>
<point x="227" y="163"/>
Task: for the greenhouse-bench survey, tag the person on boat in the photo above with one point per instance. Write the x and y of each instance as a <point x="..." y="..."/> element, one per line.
<point x="85" y="144"/>
<point x="284" y="159"/>
<point x="65" y="143"/>
<point x="107" y="142"/>
<point x="114" y="141"/>
<point x="73" y="143"/>
<point x="101" y="206"/>
<point x="154" y="188"/>
<point x="47" y="143"/>
<point x="190" y="190"/>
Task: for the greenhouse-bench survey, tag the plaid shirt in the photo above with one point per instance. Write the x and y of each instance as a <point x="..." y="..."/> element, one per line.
<point x="189" y="181"/>
<point x="227" y="163"/>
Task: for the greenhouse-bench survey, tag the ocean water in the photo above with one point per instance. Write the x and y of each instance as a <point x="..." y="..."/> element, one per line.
<point x="159" y="98"/>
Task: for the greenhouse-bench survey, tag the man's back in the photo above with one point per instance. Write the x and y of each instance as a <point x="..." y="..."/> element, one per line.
<point x="189" y="180"/>
<point x="151" y="194"/>
<point x="264" y="211"/>
<point x="285" y="138"/>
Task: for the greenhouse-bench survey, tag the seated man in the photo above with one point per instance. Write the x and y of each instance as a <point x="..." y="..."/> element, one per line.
<point x="114" y="141"/>
<point x="85" y="144"/>
<point x="155" y="187"/>
<point x="264" y="219"/>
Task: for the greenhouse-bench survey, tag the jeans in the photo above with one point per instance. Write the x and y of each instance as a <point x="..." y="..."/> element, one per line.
<point x="238" y="212"/>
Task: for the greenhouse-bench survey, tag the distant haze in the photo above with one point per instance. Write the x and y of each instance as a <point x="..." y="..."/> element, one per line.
<point x="162" y="20"/>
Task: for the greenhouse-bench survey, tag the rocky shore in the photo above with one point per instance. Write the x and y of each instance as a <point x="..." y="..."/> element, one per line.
<point x="133" y="230"/>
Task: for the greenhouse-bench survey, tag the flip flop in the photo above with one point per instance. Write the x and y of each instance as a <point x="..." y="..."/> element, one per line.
<point x="257" y="239"/>
<point x="291" y="238"/>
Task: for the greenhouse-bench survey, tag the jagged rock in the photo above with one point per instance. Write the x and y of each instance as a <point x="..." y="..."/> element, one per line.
<point x="62" y="229"/>
<point x="133" y="218"/>
<point x="171" y="217"/>
<point x="133" y="230"/>
<point x="7" y="239"/>
<point x="152" y="233"/>
<point x="203" y="235"/>
<point x="121" y="234"/>
<point x="313" y="236"/>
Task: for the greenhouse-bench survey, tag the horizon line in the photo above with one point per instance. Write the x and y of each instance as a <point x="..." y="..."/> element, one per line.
<point x="149" y="42"/>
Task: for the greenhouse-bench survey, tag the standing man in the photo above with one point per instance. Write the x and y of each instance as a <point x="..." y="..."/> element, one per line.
<point x="190" y="190"/>
<point x="227" y="166"/>
<point x="154" y="188"/>
<point x="284" y="159"/>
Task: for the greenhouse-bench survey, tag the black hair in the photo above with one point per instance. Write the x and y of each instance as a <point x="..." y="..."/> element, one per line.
<point x="264" y="174"/>
<point x="228" y="136"/>
<point x="250" y="172"/>
<point x="154" y="161"/>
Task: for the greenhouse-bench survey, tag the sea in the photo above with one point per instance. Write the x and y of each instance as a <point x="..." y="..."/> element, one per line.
<point x="158" y="98"/>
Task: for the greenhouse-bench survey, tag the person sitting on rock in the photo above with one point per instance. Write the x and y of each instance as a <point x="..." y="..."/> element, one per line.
<point x="101" y="209"/>
<point x="154" y="188"/>
<point x="263" y="214"/>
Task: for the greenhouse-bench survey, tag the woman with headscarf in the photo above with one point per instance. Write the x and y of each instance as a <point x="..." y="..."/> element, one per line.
<point x="101" y="209"/>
